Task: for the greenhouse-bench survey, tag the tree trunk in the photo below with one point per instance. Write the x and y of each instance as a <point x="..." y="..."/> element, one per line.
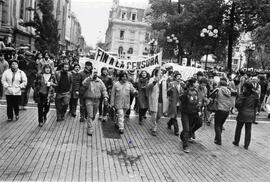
<point x="230" y="44"/>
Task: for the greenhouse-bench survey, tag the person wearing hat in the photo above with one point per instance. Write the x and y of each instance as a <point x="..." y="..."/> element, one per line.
<point x="246" y="104"/>
<point x="94" y="90"/>
<point x="3" y="67"/>
<point x="83" y="75"/>
<point x="223" y="96"/>
<point x="13" y="80"/>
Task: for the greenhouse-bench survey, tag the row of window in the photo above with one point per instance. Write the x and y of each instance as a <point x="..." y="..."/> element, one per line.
<point x="124" y="16"/>
<point x="132" y="36"/>
<point x="121" y="50"/>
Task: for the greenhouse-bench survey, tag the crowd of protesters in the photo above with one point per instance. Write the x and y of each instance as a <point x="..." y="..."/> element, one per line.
<point x="163" y="93"/>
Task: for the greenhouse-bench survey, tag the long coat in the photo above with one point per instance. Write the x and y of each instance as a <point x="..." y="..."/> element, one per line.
<point x="75" y="84"/>
<point x="142" y="93"/>
<point x="174" y="93"/>
<point x="153" y="91"/>
<point x="247" y="106"/>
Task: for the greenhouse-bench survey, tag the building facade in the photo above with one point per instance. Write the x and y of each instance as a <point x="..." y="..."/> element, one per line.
<point x="13" y="14"/>
<point x="128" y="34"/>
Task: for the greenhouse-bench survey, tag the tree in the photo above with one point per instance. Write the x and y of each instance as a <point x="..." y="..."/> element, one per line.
<point x="47" y="37"/>
<point x="193" y="17"/>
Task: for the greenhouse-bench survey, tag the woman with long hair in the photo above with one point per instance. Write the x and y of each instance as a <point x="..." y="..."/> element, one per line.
<point x="44" y="92"/>
<point x="247" y="104"/>
<point x="142" y="95"/>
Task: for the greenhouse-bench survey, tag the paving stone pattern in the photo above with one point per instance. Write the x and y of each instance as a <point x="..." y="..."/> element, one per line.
<point x="62" y="151"/>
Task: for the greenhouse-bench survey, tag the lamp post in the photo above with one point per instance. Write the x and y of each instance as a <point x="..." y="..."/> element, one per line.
<point x="250" y="48"/>
<point x="172" y="39"/>
<point x="208" y="32"/>
<point x="153" y="44"/>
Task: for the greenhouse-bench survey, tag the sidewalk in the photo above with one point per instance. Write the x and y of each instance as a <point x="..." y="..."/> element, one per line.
<point x="63" y="152"/>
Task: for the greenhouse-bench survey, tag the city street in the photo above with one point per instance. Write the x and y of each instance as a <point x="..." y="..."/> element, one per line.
<point x="62" y="151"/>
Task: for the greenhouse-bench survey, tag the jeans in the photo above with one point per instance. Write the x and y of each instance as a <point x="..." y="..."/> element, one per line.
<point x="43" y="108"/>
<point x="173" y="121"/>
<point x="120" y="113"/>
<point x="220" y="118"/>
<point x="142" y="113"/>
<point x="83" y="112"/>
<point x="12" y="105"/>
<point x="1" y="89"/>
<point x="190" y="123"/>
<point x="129" y="110"/>
<point x="92" y="108"/>
<point x="103" y="108"/>
<point x="238" y="130"/>
<point x="73" y="105"/>
<point x="61" y="104"/>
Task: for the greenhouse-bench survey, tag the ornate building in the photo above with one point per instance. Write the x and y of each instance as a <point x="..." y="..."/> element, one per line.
<point x="128" y="34"/>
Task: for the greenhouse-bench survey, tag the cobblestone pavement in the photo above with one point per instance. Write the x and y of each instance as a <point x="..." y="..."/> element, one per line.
<point x="62" y="151"/>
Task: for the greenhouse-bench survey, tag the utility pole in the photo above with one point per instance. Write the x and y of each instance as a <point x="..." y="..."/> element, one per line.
<point x="230" y="43"/>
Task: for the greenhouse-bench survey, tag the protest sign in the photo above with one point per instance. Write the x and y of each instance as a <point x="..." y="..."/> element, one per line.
<point x="113" y="62"/>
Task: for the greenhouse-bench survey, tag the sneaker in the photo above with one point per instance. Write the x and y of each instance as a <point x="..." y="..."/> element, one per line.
<point x="216" y="142"/>
<point x="236" y="144"/>
<point x="191" y="140"/>
<point x="9" y="119"/>
<point x="246" y="147"/>
<point x="176" y="134"/>
<point x="89" y="131"/>
<point x="40" y="124"/>
<point x="154" y="133"/>
<point x="82" y="120"/>
<point x="17" y="118"/>
<point x="104" y="118"/>
<point x="186" y="150"/>
<point x="255" y="122"/>
<point x="121" y="131"/>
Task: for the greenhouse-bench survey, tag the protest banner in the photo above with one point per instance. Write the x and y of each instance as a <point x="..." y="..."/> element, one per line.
<point x="113" y="62"/>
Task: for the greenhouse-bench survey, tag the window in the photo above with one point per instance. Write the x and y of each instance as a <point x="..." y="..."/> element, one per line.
<point x="147" y="37"/>
<point x="122" y="34"/>
<point x="124" y="15"/>
<point x="120" y="50"/>
<point x="132" y="35"/>
<point x="133" y="16"/>
<point x="22" y="9"/>
<point x="235" y="61"/>
<point x="130" y="51"/>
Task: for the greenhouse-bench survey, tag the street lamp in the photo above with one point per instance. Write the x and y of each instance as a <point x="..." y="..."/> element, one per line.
<point x="172" y="39"/>
<point x="249" y="48"/>
<point x="153" y="44"/>
<point x="208" y="32"/>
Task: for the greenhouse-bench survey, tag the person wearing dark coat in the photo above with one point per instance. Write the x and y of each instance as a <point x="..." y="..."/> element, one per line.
<point x="44" y="92"/>
<point x="83" y="75"/>
<point x="142" y="98"/>
<point x="108" y="82"/>
<point x="247" y="105"/>
<point x="75" y="90"/>
<point x="175" y="91"/>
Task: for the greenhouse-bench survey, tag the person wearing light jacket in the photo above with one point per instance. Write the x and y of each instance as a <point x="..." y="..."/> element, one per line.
<point x="94" y="90"/>
<point x="120" y="99"/>
<point x="13" y="80"/>
<point x="223" y="96"/>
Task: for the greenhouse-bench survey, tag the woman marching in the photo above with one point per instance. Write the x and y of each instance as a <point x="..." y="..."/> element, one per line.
<point x="142" y="95"/>
<point x="247" y="105"/>
<point x="44" y="92"/>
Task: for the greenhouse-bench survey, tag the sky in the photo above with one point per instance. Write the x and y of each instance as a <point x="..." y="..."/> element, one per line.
<point x="93" y="16"/>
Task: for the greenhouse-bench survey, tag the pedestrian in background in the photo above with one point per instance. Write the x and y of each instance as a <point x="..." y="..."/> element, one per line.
<point x="63" y="90"/>
<point x="120" y="99"/>
<point x="247" y="105"/>
<point x="43" y="61"/>
<point x="3" y="67"/>
<point x="13" y="80"/>
<point x="44" y="92"/>
<point x="94" y="90"/>
<point x="75" y="90"/>
<point x="224" y="103"/>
